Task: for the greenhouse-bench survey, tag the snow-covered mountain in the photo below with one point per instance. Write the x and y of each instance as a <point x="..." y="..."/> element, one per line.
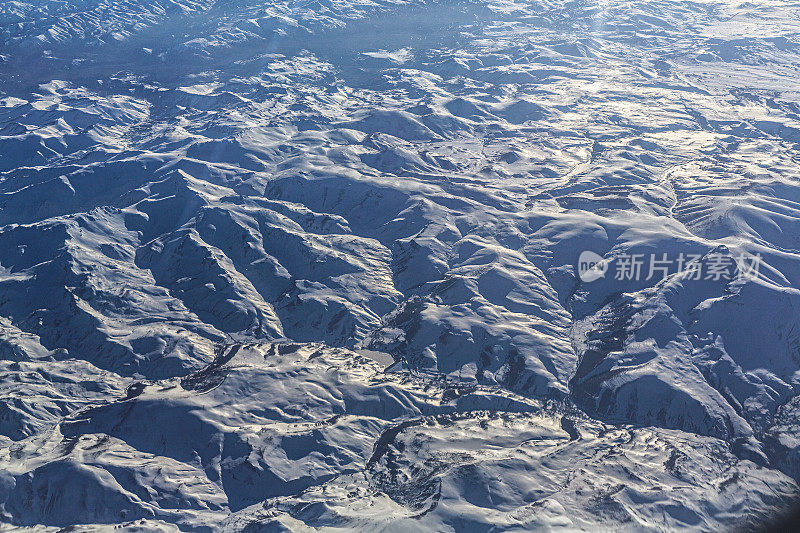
<point x="317" y="264"/>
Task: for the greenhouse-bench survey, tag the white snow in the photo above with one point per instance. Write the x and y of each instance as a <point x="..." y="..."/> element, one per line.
<point x="312" y="264"/>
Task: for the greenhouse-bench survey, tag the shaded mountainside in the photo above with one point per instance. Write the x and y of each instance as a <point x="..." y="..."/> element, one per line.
<point x="312" y="264"/>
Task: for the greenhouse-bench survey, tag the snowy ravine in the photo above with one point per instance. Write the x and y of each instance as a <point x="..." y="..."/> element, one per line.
<point x="292" y="265"/>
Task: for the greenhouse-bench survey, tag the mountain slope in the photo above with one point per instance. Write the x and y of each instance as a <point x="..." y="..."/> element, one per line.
<point x="317" y="264"/>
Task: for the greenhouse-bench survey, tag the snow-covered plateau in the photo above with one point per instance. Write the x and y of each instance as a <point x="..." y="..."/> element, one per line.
<point x="314" y="264"/>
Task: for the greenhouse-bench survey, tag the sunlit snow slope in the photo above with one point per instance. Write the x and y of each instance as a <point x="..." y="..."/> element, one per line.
<point x="312" y="264"/>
